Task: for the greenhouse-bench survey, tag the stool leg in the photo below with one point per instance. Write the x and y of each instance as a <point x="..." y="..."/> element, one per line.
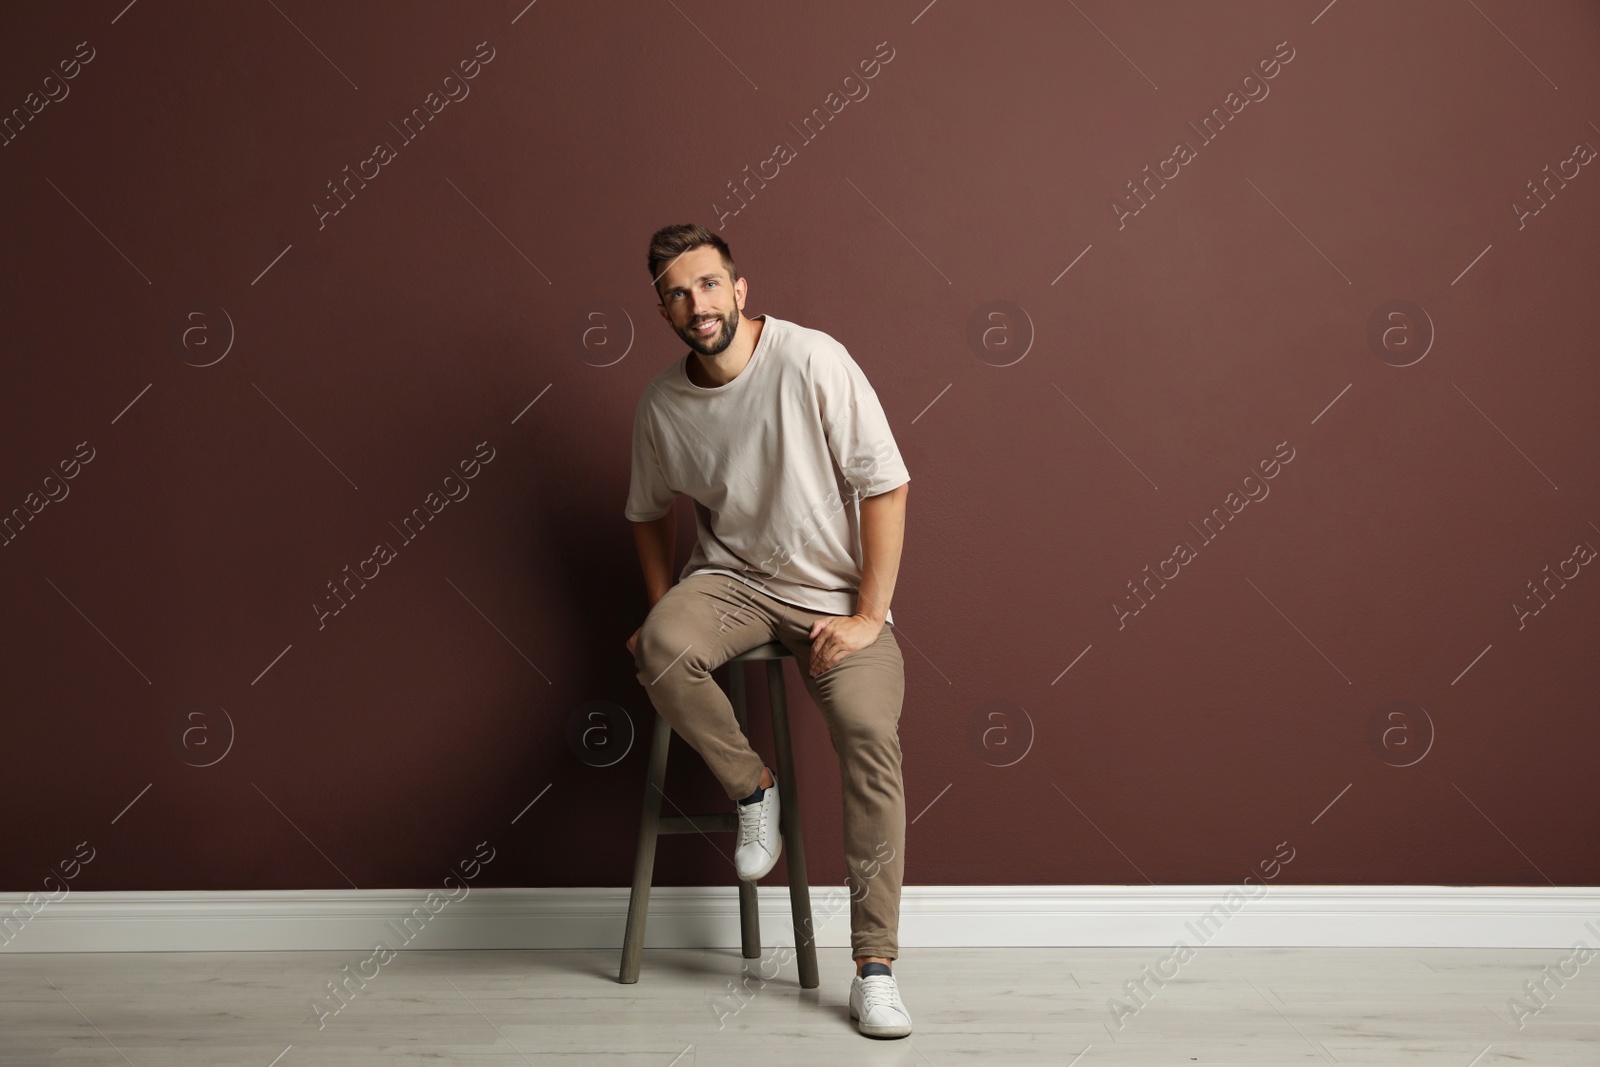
<point x="789" y="824"/>
<point x="644" y="859"/>
<point x="749" y="901"/>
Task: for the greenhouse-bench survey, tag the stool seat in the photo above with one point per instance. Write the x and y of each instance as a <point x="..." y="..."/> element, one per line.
<point x="652" y="824"/>
<point x="770" y="650"/>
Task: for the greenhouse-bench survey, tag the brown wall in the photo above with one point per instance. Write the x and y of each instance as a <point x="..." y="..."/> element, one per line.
<point x="165" y="207"/>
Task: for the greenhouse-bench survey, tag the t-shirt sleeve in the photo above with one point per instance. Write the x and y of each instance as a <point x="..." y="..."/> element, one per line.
<point x="649" y="495"/>
<point x="857" y="429"/>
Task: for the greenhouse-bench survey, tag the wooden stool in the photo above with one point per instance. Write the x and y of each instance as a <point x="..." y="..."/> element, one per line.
<point x="653" y="823"/>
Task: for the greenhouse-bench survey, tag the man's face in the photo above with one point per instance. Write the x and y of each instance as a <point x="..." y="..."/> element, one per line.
<point x="695" y="293"/>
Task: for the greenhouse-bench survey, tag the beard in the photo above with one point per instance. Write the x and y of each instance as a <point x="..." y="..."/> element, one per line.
<point x="719" y="339"/>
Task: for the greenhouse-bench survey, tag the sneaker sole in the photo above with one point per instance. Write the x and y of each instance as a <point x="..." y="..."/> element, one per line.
<point x="879" y="1031"/>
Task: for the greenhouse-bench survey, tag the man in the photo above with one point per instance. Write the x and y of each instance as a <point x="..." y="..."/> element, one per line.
<point x="799" y="494"/>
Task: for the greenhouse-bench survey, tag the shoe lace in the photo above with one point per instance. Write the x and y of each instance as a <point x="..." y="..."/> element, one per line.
<point x="751" y="818"/>
<point x="879" y="990"/>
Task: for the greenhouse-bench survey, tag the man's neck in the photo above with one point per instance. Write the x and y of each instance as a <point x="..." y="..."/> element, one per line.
<point x="708" y="372"/>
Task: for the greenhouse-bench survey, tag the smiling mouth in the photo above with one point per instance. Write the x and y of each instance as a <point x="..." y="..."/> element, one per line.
<point x="707" y="327"/>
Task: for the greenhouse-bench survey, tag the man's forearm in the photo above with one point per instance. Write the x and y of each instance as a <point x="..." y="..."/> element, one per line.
<point x="883" y="529"/>
<point x="657" y="544"/>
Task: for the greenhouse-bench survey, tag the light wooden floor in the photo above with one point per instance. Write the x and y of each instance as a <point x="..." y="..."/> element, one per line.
<point x="989" y="1006"/>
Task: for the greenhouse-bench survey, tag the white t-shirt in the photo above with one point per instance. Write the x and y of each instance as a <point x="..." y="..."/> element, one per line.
<point x="774" y="460"/>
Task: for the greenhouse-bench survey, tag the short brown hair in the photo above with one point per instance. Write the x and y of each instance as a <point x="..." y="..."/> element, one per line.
<point x="670" y="242"/>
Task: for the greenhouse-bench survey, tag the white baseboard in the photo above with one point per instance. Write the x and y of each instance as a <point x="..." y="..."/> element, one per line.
<point x="930" y="916"/>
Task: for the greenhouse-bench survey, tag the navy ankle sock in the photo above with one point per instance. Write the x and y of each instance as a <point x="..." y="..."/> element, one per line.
<point x="874" y="968"/>
<point x="756" y="796"/>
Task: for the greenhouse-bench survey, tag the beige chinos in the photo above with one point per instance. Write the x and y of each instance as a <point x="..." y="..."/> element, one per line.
<point x="705" y="620"/>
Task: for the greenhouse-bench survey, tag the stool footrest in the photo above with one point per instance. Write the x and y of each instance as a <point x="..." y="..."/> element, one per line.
<point x="698" y="824"/>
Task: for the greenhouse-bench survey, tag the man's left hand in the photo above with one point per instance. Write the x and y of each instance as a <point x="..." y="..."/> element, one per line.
<point x="835" y="637"/>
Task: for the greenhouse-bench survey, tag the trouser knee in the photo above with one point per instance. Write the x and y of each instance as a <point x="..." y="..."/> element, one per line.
<point x="664" y="647"/>
<point x="877" y="744"/>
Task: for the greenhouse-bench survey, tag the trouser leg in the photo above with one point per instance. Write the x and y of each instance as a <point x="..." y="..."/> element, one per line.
<point x="701" y="623"/>
<point x="860" y="698"/>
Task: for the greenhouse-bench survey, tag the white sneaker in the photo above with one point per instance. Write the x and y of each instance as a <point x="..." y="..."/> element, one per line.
<point x="875" y="1003"/>
<point x="759" y="840"/>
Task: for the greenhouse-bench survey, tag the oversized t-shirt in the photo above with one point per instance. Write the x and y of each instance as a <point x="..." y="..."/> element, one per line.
<point x="776" y="462"/>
